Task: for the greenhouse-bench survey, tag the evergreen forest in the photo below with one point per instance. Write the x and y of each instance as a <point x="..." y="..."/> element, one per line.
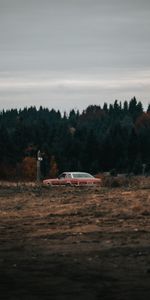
<point x="113" y="138"/>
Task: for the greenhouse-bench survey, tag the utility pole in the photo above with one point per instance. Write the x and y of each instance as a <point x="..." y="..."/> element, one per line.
<point x="39" y="159"/>
<point x="143" y="169"/>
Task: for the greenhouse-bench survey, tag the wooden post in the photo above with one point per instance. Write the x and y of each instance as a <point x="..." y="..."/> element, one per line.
<point x="143" y="169"/>
<point x="39" y="159"/>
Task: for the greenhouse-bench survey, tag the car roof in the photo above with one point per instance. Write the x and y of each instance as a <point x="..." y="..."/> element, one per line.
<point x="75" y="172"/>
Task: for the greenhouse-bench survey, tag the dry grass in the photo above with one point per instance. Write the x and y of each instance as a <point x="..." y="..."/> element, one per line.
<point x="59" y="240"/>
<point x="126" y="181"/>
<point x="106" y="181"/>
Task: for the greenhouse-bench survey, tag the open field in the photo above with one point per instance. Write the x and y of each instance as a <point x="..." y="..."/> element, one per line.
<point x="69" y="243"/>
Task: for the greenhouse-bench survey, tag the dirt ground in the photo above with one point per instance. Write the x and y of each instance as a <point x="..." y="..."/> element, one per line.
<point x="69" y="243"/>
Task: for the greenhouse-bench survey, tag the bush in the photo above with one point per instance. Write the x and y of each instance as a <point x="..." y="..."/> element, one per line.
<point x="126" y="181"/>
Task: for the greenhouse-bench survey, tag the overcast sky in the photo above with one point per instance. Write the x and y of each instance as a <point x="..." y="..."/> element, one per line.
<point x="66" y="54"/>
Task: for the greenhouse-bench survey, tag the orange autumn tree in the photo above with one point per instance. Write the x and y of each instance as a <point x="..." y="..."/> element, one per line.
<point x="143" y="121"/>
<point x="28" y="168"/>
<point x="53" y="167"/>
<point x="7" y="171"/>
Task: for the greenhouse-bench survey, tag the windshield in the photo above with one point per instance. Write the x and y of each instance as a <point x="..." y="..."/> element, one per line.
<point x="82" y="175"/>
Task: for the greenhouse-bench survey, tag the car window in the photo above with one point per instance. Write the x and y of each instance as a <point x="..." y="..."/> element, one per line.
<point x="68" y="175"/>
<point x="82" y="175"/>
<point x="61" y="176"/>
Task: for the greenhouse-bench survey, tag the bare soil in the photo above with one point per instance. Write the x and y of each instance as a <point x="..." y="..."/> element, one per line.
<point x="74" y="243"/>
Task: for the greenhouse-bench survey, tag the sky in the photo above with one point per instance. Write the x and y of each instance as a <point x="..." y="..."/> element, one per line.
<point x="68" y="54"/>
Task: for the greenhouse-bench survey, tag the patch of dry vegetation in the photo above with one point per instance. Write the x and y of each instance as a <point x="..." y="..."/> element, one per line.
<point x="75" y="242"/>
<point x="125" y="181"/>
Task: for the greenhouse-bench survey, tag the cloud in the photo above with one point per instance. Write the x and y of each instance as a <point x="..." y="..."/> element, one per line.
<point x="64" y="93"/>
<point x="79" y="50"/>
<point x="47" y="80"/>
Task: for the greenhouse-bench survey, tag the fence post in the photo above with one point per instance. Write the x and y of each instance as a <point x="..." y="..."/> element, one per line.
<point x="39" y="159"/>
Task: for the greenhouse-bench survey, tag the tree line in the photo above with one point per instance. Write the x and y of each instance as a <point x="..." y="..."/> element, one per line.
<point x="114" y="137"/>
